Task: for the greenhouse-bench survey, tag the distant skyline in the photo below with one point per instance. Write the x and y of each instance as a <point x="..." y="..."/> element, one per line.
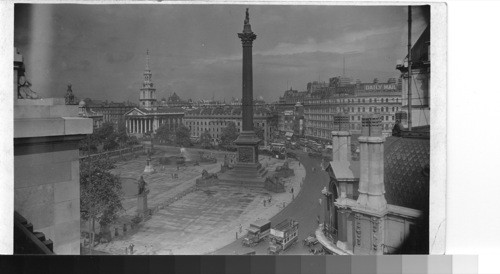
<point x="195" y="51"/>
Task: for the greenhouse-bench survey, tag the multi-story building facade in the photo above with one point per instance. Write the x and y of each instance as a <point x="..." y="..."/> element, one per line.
<point x="351" y="102"/>
<point x="291" y="120"/>
<point x="110" y="111"/>
<point x="291" y="97"/>
<point x="214" y="119"/>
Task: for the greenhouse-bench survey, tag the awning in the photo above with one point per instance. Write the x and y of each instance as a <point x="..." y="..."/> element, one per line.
<point x="289" y="134"/>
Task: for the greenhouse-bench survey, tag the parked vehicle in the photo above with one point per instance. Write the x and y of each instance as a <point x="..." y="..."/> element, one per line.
<point x="310" y="240"/>
<point x="283" y="235"/>
<point x="257" y="231"/>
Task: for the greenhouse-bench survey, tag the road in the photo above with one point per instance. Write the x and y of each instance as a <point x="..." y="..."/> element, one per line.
<point x="304" y="209"/>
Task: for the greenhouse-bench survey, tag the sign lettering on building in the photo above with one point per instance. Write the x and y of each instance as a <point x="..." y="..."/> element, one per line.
<point x="380" y="87"/>
<point x="288" y="112"/>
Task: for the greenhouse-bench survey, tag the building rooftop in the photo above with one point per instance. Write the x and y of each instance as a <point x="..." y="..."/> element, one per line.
<point x="406" y="172"/>
<point x="226" y="110"/>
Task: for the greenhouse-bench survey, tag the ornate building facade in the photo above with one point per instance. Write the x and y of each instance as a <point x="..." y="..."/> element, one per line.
<point x="379" y="204"/>
<point x="352" y="101"/>
<point x="150" y="115"/>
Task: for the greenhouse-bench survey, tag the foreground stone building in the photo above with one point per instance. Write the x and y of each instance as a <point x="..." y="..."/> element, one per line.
<point x="379" y="205"/>
<point x="47" y="170"/>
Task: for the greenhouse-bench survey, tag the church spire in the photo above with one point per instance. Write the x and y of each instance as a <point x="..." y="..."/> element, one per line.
<point x="147" y="97"/>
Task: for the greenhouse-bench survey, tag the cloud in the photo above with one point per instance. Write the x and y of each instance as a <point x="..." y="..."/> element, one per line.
<point x="119" y="57"/>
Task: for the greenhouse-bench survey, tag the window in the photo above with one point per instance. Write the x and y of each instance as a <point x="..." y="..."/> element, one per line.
<point x="370" y="100"/>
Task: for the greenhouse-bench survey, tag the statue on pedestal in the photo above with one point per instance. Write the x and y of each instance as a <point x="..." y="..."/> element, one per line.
<point x="69" y="98"/>
<point x="24" y="91"/>
<point x="142" y="198"/>
<point x="141" y="185"/>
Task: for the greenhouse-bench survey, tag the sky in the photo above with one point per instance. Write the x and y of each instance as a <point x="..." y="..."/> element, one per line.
<point x="195" y="51"/>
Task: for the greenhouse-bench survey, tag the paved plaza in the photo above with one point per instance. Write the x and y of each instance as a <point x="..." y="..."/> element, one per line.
<point x="203" y="220"/>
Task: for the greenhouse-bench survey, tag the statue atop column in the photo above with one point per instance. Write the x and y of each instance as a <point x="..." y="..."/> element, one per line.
<point x="247" y="18"/>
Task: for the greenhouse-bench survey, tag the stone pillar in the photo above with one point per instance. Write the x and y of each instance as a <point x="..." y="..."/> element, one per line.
<point x="371" y="184"/>
<point x="341" y="146"/>
<point x="247" y="170"/>
<point x="247" y="140"/>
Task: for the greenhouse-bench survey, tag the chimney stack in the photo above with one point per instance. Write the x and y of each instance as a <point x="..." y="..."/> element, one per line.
<point x="341" y="139"/>
<point x="371" y="181"/>
<point x="402" y="117"/>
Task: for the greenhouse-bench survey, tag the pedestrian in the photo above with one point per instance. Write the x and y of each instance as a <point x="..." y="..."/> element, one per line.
<point x="264" y="203"/>
<point x="131" y="249"/>
<point x="318" y="219"/>
<point x="241" y="229"/>
<point x="126" y="250"/>
<point x="236" y="235"/>
<point x="319" y="201"/>
<point x="292" y="190"/>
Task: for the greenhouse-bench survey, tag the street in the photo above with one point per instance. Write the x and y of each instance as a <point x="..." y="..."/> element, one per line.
<point x="304" y="209"/>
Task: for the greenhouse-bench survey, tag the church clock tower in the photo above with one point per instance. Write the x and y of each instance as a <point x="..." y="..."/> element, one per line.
<point x="147" y="96"/>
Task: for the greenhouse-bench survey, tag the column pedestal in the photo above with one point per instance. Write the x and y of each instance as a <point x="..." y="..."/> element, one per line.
<point x="247" y="171"/>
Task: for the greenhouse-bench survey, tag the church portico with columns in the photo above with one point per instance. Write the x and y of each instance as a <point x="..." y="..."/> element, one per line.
<point x="149" y="116"/>
<point x="141" y="121"/>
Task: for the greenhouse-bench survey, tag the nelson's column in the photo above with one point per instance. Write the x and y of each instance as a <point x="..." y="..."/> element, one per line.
<point x="247" y="171"/>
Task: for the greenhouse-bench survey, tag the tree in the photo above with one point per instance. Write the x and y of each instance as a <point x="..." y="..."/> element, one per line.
<point x="229" y="134"/>
<point x="104" y="132"/>
<point x="106" y="136"/>
<point x="89" y="144"/>
<point x="205" y="139"/>
<point x="100" y="191"/>
<point x="163" y="133"/>
<point x="121" y="133"/>
<point x="259" y="131"/>
<point x="183" y="136"/>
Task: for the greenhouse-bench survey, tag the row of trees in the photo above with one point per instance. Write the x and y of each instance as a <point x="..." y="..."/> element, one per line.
<point x="182" y="136"/>
<point x="108" y="137"/>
